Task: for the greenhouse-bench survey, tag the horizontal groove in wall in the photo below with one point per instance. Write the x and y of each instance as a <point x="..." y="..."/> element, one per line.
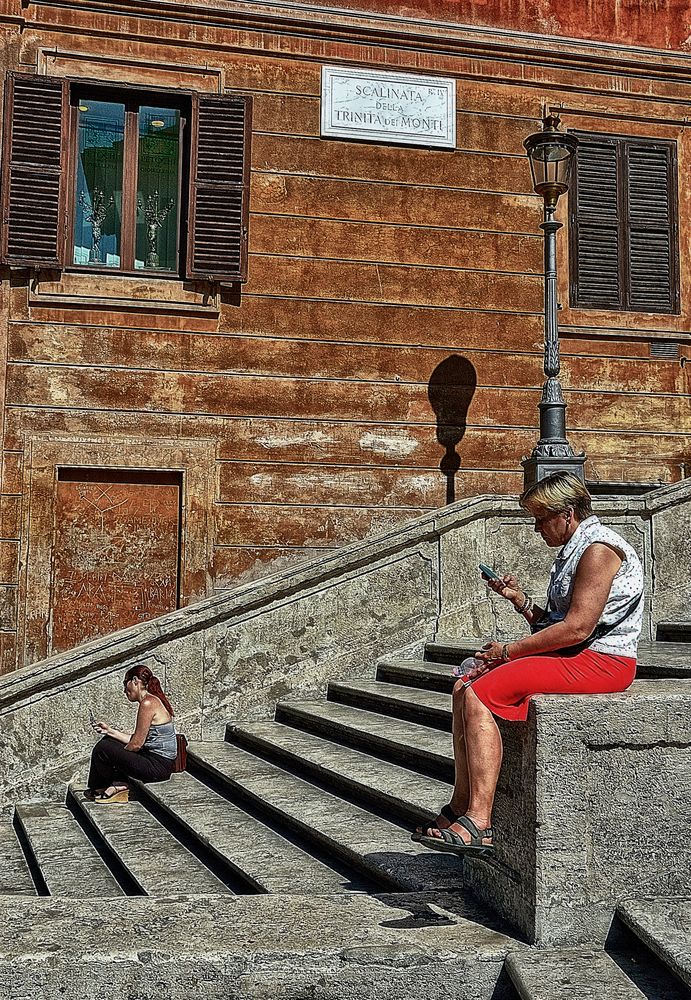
<point x="382" y="182"/>
<point x="463" y="150"/>
<point x="183" y="415"/>
<point x="605" y="333"/>
<point x="482" y="429"/>
<point x="400" y="225"/>
<point x="60" y="366"/>
<point x="472" y="78"/>
<point x="389" y="263"/>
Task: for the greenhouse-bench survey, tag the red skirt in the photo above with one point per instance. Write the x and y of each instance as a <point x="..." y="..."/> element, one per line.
<point x="506" y="690"/>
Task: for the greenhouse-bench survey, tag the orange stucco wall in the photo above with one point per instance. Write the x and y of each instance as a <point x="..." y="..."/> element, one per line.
<point x="662" y="24"/>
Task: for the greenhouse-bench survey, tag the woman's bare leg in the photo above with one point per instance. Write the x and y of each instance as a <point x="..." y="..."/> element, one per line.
<point x="460" y="798"/>
<point x="485" y="751"/>
<point x="482" y="751"/>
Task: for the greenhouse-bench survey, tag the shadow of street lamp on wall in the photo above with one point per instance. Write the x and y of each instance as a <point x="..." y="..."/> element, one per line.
<point x="450" y="392"/>
<point x="551" y="154"/>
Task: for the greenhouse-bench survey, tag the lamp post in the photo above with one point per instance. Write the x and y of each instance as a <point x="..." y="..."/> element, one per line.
<point x="551" y="153"/>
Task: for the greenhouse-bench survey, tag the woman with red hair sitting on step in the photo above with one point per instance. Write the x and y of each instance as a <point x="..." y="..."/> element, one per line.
<point x="147" y="754"/>
<point x="584" y="641"/>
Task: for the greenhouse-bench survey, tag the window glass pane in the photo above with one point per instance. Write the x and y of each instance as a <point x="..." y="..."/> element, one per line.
<point x="157" y="189"/>
<point x="98" y="195"/>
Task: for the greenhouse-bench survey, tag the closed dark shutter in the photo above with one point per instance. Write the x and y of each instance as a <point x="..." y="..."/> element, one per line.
<point x="595" y="224"/>
<point x="219" y="189"/>
<point x="624" y="230"/>
<point x="650" y="228"/>
<point x="33" y="176"/>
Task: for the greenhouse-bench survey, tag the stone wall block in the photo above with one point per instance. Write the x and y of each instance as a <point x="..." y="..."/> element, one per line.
<point x="338" y="631"/>
<point x="672" y="545"/>
<point x="506" y="882"/>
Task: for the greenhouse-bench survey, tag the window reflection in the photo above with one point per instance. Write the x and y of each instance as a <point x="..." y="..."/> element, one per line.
<point x="98" y="202"/>
<point x="157" y="189"/>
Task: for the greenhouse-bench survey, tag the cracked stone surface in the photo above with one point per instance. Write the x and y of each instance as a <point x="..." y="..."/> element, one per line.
<point x="372" y="844"/>
<point x="576" y="974"/>
<point x="324" y="946"/>
<point x="664" y="925"/>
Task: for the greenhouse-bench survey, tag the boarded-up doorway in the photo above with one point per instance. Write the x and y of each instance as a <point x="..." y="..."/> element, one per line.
<point x="116" y="551"/>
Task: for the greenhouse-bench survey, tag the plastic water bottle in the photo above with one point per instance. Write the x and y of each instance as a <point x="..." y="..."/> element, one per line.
<point x="462" y="671"/>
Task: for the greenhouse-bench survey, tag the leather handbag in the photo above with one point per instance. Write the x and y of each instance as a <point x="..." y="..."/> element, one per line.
<point x="181" y="759"/>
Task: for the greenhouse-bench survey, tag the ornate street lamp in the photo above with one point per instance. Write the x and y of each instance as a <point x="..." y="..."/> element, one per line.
<point x="551" y="153"/>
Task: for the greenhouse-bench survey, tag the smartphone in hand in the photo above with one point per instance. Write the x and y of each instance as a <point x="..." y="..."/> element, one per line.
<point x="94" y="725"/>
<point x="490" y="573"/>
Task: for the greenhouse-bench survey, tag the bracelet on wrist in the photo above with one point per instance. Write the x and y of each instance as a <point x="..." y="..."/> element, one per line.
<point x="505" y="653"/>
<point x="526" y="607"/>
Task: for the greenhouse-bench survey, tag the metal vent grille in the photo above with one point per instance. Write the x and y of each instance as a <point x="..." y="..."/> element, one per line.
<point x="665" y="349"/>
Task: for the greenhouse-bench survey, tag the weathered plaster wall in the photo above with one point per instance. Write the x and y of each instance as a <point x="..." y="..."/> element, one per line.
<point x="385" y="355"/>
<point x="664" y="24"/>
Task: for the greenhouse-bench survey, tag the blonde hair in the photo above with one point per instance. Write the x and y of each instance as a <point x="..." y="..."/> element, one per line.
<point x="556" y="494"/>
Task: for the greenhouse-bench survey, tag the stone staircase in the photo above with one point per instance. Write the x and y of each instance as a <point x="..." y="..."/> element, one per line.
<point x="315" y="809"/>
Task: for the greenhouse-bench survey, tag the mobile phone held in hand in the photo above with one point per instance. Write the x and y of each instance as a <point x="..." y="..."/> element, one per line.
<point x="487" y="571"/>
<point x="94" y="725"/>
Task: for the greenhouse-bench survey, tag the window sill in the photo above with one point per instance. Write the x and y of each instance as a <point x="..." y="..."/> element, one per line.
<point x="106" y="291"/>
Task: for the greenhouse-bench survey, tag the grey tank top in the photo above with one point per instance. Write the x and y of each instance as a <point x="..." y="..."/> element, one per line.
<point x="161" y="740"/>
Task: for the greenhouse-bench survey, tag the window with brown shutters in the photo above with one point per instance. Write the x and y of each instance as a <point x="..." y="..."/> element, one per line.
<point x="33" y="172"/>
<point x="219" y="190"/>
<point x="623" y="225"/>
<point x="120" y="180"/>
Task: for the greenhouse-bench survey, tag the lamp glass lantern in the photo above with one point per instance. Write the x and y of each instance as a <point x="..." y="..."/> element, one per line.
<point x="551" y="154"/>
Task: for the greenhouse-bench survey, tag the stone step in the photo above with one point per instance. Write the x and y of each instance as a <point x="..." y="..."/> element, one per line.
<point x="15" y="877"/>
<point x="430" y="708"/>
<point x="155" y="860"/>
<point x="370" y="844"/>
<point x="655" y="659"/>
<point x="344" y="947"/>
<point x="416" y="673"/>
<point x="451" y="650"/>
<point x="673" y="632"/>
<point x="643" y="967"/>
<point x="664" y="926"/>
<point x="257" y="854"/>
<point x="579" y="974"/>
<point x="420" y="748"/>
<point x="664" y="659"/>
<point x="412" y="796"/>
<point x="69" y="863"/>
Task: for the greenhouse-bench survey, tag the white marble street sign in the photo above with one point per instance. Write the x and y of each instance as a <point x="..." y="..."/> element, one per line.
<point x="388" y="107"/>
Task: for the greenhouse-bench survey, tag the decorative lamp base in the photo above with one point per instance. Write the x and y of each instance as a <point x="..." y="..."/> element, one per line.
<point x="537" y="467"/>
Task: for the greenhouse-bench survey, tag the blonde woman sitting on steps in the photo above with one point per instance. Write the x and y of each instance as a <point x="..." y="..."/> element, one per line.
<point x="147" y="754"/>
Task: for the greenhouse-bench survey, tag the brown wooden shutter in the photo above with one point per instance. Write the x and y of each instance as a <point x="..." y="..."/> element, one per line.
<point x="624" y="225"/>
<point x="595" y="228"/>
<point x="219" y="188"/>
<point x="651" y="227"/>
<point x="33" y="174"/>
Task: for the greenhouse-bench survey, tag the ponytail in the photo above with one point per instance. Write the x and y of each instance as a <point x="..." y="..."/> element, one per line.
<point x="151" y="683"/>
